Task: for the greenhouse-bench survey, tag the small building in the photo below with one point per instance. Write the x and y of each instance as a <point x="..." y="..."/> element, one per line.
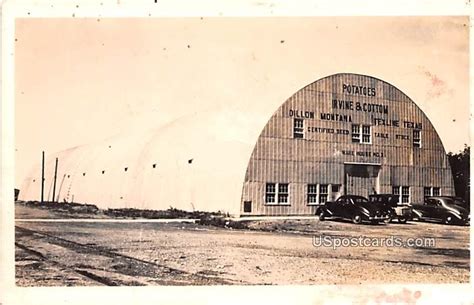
<point x="342" y="134"/>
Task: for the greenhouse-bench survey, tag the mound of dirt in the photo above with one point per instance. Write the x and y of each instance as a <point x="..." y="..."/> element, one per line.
<point x="170" y="213"/>
<point x="220" y="221"/>
<point x="69" y="207"/>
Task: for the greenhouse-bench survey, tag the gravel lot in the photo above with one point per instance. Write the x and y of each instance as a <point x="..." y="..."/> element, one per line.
<point x="98" y="253"/>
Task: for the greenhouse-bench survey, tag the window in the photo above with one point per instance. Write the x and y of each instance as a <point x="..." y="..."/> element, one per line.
<point x="276" y="193"/>
<point x="429" y="191"/>
<point x="335" y="188"/>
<point x="356" y="133"/>
<point x="432" y="202"/>
<point x="319" y="193"/>
<point x="396" y="190"/>
<point x="366" y="136"/>
<point x="323" y="193"/>
<point x="312" y="193"/>
<point x="283" y="193"/>
<point x="270" y="192"/>
<point x="247" y="206"/>
<point x="403" y="193"/>
<point x="298" y="128"/>
<point x="416" y="138"/>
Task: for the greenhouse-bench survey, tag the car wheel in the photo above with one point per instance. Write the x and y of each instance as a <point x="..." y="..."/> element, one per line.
<point x="388" y="220"/>
<point x="448" y="220"/>
<point x="322" y="215"/>
<point x="357" y="219"/>
<point x="402" y="219"/>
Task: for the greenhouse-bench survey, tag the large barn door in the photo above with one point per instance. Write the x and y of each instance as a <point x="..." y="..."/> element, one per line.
<point x="361" y="179"/>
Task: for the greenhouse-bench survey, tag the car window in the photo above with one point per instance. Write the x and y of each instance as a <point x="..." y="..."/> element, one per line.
<point x="454" y="201"/>
<point x="449" y="201"/>
<point x="433" y="202"/>
<point x="359" y="199"/>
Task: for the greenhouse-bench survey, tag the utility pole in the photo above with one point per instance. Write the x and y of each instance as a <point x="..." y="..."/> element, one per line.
<point x="60" y="187"/>
<point x="42" y="179"/>
<point x="55" y="174"/>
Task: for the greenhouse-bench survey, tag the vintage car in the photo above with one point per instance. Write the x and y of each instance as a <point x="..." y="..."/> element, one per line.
<point x="355" y="208"/>
<point x="439" y="208"/>
<point x="389" y="202"/>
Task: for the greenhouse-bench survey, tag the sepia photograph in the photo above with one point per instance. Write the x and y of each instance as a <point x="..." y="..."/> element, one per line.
<point x="209" y="151"/>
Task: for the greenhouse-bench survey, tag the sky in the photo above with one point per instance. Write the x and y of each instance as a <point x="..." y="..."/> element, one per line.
<point x="81" y="80"/>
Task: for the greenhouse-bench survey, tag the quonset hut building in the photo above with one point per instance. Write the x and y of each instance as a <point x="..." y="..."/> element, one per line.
<point x="342" y="134"/>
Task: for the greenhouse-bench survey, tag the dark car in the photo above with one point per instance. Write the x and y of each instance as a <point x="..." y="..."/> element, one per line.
<point x="355" y="208"/>
<point x="389" y="203"/>
<point x="443" y="209"/>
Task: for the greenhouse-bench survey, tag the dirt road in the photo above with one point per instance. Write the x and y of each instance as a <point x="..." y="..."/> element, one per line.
<point x="95" y="253"/>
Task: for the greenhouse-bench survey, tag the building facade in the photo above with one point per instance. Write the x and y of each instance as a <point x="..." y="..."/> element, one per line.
<point x="344" y="134"/>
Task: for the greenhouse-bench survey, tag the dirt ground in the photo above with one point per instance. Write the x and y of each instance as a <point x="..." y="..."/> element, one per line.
<point x="117" y="253"/>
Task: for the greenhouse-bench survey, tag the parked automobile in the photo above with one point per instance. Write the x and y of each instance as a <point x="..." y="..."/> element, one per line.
<point x="441" y="208"/>
<point x="355" y="208"/>
<point x="389" y="203"/>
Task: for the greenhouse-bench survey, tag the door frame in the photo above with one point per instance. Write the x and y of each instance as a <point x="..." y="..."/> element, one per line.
<point x="377" y="180"/>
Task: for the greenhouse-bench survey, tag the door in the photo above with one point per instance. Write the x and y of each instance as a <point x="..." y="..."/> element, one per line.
<point x="430" y="209"/>
<point x="340" y="207"/>
<point x="357" y="185"/>
<point x="361" y="179"/>
<point x="349" y="209"/>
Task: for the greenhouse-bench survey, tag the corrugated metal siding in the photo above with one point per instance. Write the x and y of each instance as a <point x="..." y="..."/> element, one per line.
<point x="318" y="158"/>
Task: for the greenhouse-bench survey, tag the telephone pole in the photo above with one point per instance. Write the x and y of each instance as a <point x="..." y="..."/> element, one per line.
<point x="54" y="182"/>
<point x="42" y="179"/>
